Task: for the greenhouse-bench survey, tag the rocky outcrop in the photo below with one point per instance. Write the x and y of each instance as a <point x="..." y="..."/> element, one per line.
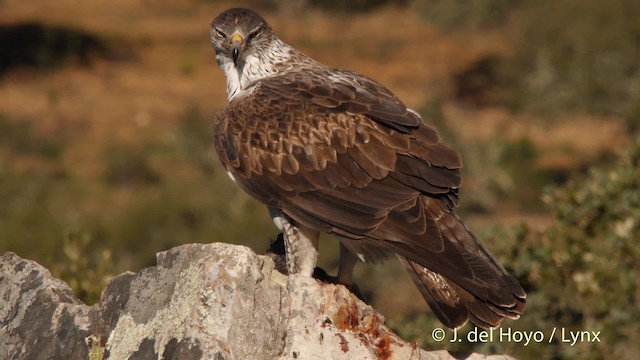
<point x="213" y="301"/>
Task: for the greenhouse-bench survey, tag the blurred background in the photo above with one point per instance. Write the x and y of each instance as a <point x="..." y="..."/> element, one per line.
<point x="106" y="156"/>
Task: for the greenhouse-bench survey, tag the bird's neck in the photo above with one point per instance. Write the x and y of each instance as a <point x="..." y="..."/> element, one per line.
<point x="272" y="61"/>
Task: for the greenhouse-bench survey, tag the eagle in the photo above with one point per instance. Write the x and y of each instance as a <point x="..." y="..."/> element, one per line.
<point x="331" y="151"/>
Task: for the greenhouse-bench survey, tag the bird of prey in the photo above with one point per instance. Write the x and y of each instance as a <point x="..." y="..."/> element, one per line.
<point x="332" y="151"/>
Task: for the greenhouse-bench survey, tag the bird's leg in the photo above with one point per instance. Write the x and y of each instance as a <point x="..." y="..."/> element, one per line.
<point x="301" y="247"/>
<point x="348" y="262"/>
<point x="301" y="244"/>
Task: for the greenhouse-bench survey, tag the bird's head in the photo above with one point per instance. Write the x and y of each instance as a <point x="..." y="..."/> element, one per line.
<point x="238" y="33"/>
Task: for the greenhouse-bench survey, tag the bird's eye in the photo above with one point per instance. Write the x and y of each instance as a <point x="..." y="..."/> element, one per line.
<point x="254" y="35"/>
<point x="219" y="34"/>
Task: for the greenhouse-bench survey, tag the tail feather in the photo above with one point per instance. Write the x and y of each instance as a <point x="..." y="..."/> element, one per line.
<point x="436" y="290"/>
<point x="453" y="305"/>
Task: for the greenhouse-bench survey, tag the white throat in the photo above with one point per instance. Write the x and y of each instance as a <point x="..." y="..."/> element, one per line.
<point x="256" y="67"/>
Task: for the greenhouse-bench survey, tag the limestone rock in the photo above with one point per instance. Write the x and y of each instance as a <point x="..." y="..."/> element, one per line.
<point x="213" y="301"/>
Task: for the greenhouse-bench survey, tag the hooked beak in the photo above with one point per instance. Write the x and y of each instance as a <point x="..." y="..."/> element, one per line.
<point x="236" y="46"/>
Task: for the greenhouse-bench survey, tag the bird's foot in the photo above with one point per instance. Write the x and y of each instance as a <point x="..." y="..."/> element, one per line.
<point x="320" y="274"/>
<point x="277" y="252"/>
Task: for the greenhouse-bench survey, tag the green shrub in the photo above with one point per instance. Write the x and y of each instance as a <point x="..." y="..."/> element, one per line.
<point x="586" y="265"/>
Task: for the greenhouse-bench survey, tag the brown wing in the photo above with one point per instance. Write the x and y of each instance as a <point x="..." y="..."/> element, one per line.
<point x="344" y="91"/>
<point x="299" y="142"/>
<point x="345" y="156"/>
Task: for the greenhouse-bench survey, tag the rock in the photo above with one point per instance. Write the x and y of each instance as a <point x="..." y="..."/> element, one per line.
<point x="39" y="316"/>
<point x="202" y="301"/>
